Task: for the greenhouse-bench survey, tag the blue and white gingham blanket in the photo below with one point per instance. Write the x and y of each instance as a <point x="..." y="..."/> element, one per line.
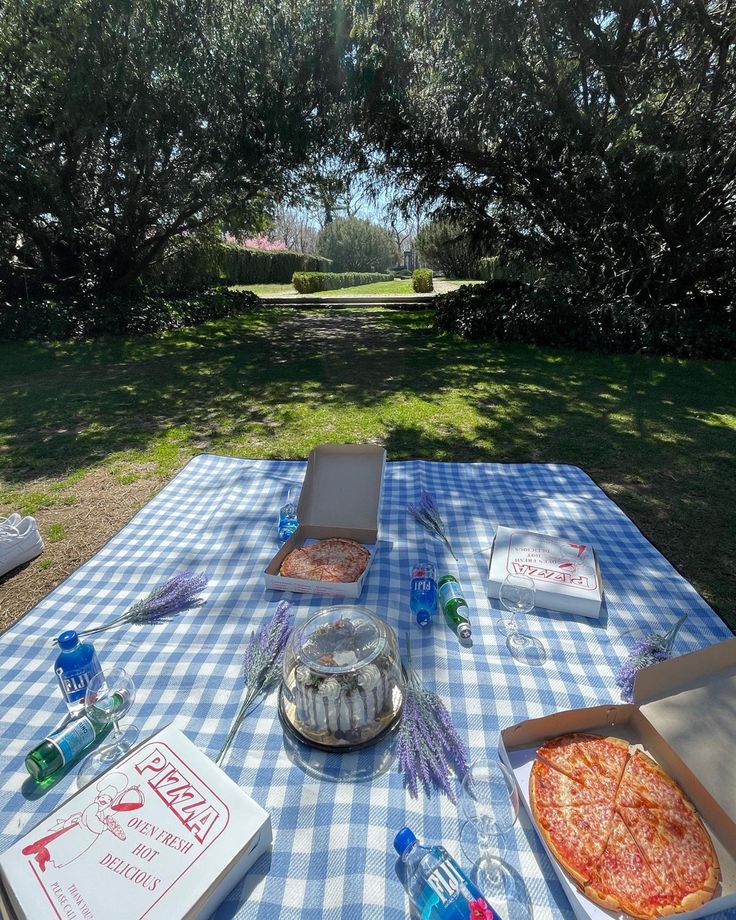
<point x="334" y="816"/>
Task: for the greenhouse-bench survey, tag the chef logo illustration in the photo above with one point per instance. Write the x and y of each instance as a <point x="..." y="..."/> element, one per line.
<point x="73" y="836"/>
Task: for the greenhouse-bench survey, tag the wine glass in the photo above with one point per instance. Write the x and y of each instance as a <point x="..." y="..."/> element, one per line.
<point x="517" y="596"/>
<point x="489" y="803"/>
<point x="107" y="699"/>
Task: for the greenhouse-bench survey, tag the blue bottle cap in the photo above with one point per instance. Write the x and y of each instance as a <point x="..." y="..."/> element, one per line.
<point x="403" y="840"/>
<point x="424" y="618"/>
<point x="68" y="640"/>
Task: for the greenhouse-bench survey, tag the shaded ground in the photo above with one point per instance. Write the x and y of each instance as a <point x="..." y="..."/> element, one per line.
<point x="89" y="431"/>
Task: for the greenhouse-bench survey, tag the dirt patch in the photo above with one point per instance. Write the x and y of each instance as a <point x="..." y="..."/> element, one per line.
<point x="103" y="501"/>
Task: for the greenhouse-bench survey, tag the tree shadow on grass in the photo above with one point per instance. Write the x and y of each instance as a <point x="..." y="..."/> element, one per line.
<point x="658" y="434"/>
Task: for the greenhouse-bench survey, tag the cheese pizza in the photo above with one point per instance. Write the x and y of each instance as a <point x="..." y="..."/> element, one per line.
<point x="327" y="560"/>
<point x="621" y="827"/>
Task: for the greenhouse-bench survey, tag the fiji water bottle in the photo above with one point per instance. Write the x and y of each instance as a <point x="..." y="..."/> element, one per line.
<point x="437" y="886"/>
<point x="75" y="667"/>
<point x="288" y="520"/>
<point x="423" y="596"/>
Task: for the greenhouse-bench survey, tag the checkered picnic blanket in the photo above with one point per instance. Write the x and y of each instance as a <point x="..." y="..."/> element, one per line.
<point x="334" y="816"/>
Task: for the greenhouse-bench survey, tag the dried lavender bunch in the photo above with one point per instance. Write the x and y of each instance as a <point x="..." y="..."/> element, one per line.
<point x="172" y="597"/>
<point x="428" y="515"/>
<point x="645" y="651"/>
<point x="428" y="747"/>
<point x="261" y="665"/>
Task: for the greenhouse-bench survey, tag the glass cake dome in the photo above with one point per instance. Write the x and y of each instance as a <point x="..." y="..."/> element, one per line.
<point x="342" y="681"/>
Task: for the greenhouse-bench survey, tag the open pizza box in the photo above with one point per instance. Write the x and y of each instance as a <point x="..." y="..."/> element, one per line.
<point x="684" y="716"/>
<point x="341" y="497"/>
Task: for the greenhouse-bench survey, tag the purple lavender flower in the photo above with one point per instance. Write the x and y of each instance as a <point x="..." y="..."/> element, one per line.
<point x="428" y="515"/>
<point x="261" y="665"/>
<point x="428" y="747"/>
<point x="647" y="650"/>
<point x="174" y="596"/>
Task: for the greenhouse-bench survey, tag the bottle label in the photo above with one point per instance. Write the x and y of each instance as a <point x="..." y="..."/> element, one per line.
<point x="422" y="586"/>
<point x="449" y="591"/>
<point x="73" y="682"/>
<point x="74" y="738"/>
<point x="448" y="882"/>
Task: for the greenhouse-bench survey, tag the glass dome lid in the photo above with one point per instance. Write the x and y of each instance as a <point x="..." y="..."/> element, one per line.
<point x="342" y="684"/>
<point x="340" y="639"/>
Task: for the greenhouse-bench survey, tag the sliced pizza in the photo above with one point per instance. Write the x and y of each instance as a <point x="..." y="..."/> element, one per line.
<point x="589" y="759"/>
<point x="645" y="784"/>
<point x="678" y="849"/>
<point x="623" y="880"/>
<point x="577" y="835"/>
<point x="621" y="827"/>
<point x="550" y="788"/>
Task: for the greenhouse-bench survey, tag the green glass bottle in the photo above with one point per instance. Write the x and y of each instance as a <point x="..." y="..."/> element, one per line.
<point x="454" y="605"/>
<point x="65" y="745"/>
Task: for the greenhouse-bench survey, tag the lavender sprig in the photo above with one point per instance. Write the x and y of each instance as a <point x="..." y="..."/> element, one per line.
<point x="647" y="650"/>
<point x="428" y="745"/>
<point x="174" y="596"/>
<point x="261" y="665"/>
<point x="428" y="515"/>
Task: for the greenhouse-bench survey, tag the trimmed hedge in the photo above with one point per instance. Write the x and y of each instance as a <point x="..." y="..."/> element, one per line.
<point x="513" y="311"/>
<point x="310" y="282"/>
<point x="200" y="264"/>
<point x="261" y="266"/>
<point x="421" y="280"/>
<point x="84" y="318"/>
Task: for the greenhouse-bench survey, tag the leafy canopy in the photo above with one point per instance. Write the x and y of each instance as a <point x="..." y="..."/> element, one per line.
<point x="126" y="125"/>
<point x="597" y="140"/>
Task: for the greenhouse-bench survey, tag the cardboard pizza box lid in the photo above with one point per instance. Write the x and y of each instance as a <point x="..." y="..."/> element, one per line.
<point x="342" y="488"/>
<point x="691" y="701"/>
<point x="566" y="573"/>
<point x="185" y="834"/>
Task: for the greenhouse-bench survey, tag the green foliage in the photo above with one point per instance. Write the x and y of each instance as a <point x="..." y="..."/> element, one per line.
<point x="594" y="140"/>
<point x="569" y="317"/>
<point x="126" y="125"/>
<point x="85" y="317"/>
<point x="356" y="245"/>
<point x="197" y="264"/>
<point x="421" y="280"/>
<point x="311" y="282"/>
<point x="447" y="247"/>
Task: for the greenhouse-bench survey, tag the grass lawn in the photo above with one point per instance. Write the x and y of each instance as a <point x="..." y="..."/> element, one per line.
<point x="89" y="427"/>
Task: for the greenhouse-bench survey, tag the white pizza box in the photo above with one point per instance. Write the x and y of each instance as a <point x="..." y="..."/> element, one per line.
<point x="163" y="834"/>
<point x="341" y="497"/>
<point x="682" y="716"/>
<point x="565" y="572"/>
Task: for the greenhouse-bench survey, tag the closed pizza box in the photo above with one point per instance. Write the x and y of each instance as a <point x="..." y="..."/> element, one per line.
<point x="565" y="572"/>
<point x="341" y="497"/>
<point x="164" y="833"/>
<point x="683" y="716"/>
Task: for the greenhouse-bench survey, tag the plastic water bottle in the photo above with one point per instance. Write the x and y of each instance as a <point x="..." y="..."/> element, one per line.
<point x="288" y="520"/>
<point x="437" y="886"/>
<point x="423" y="593"/>
<point x="75" y="666"/>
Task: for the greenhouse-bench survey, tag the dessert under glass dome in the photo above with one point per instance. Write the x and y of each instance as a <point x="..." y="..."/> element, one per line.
<point x="342" y="686"/>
